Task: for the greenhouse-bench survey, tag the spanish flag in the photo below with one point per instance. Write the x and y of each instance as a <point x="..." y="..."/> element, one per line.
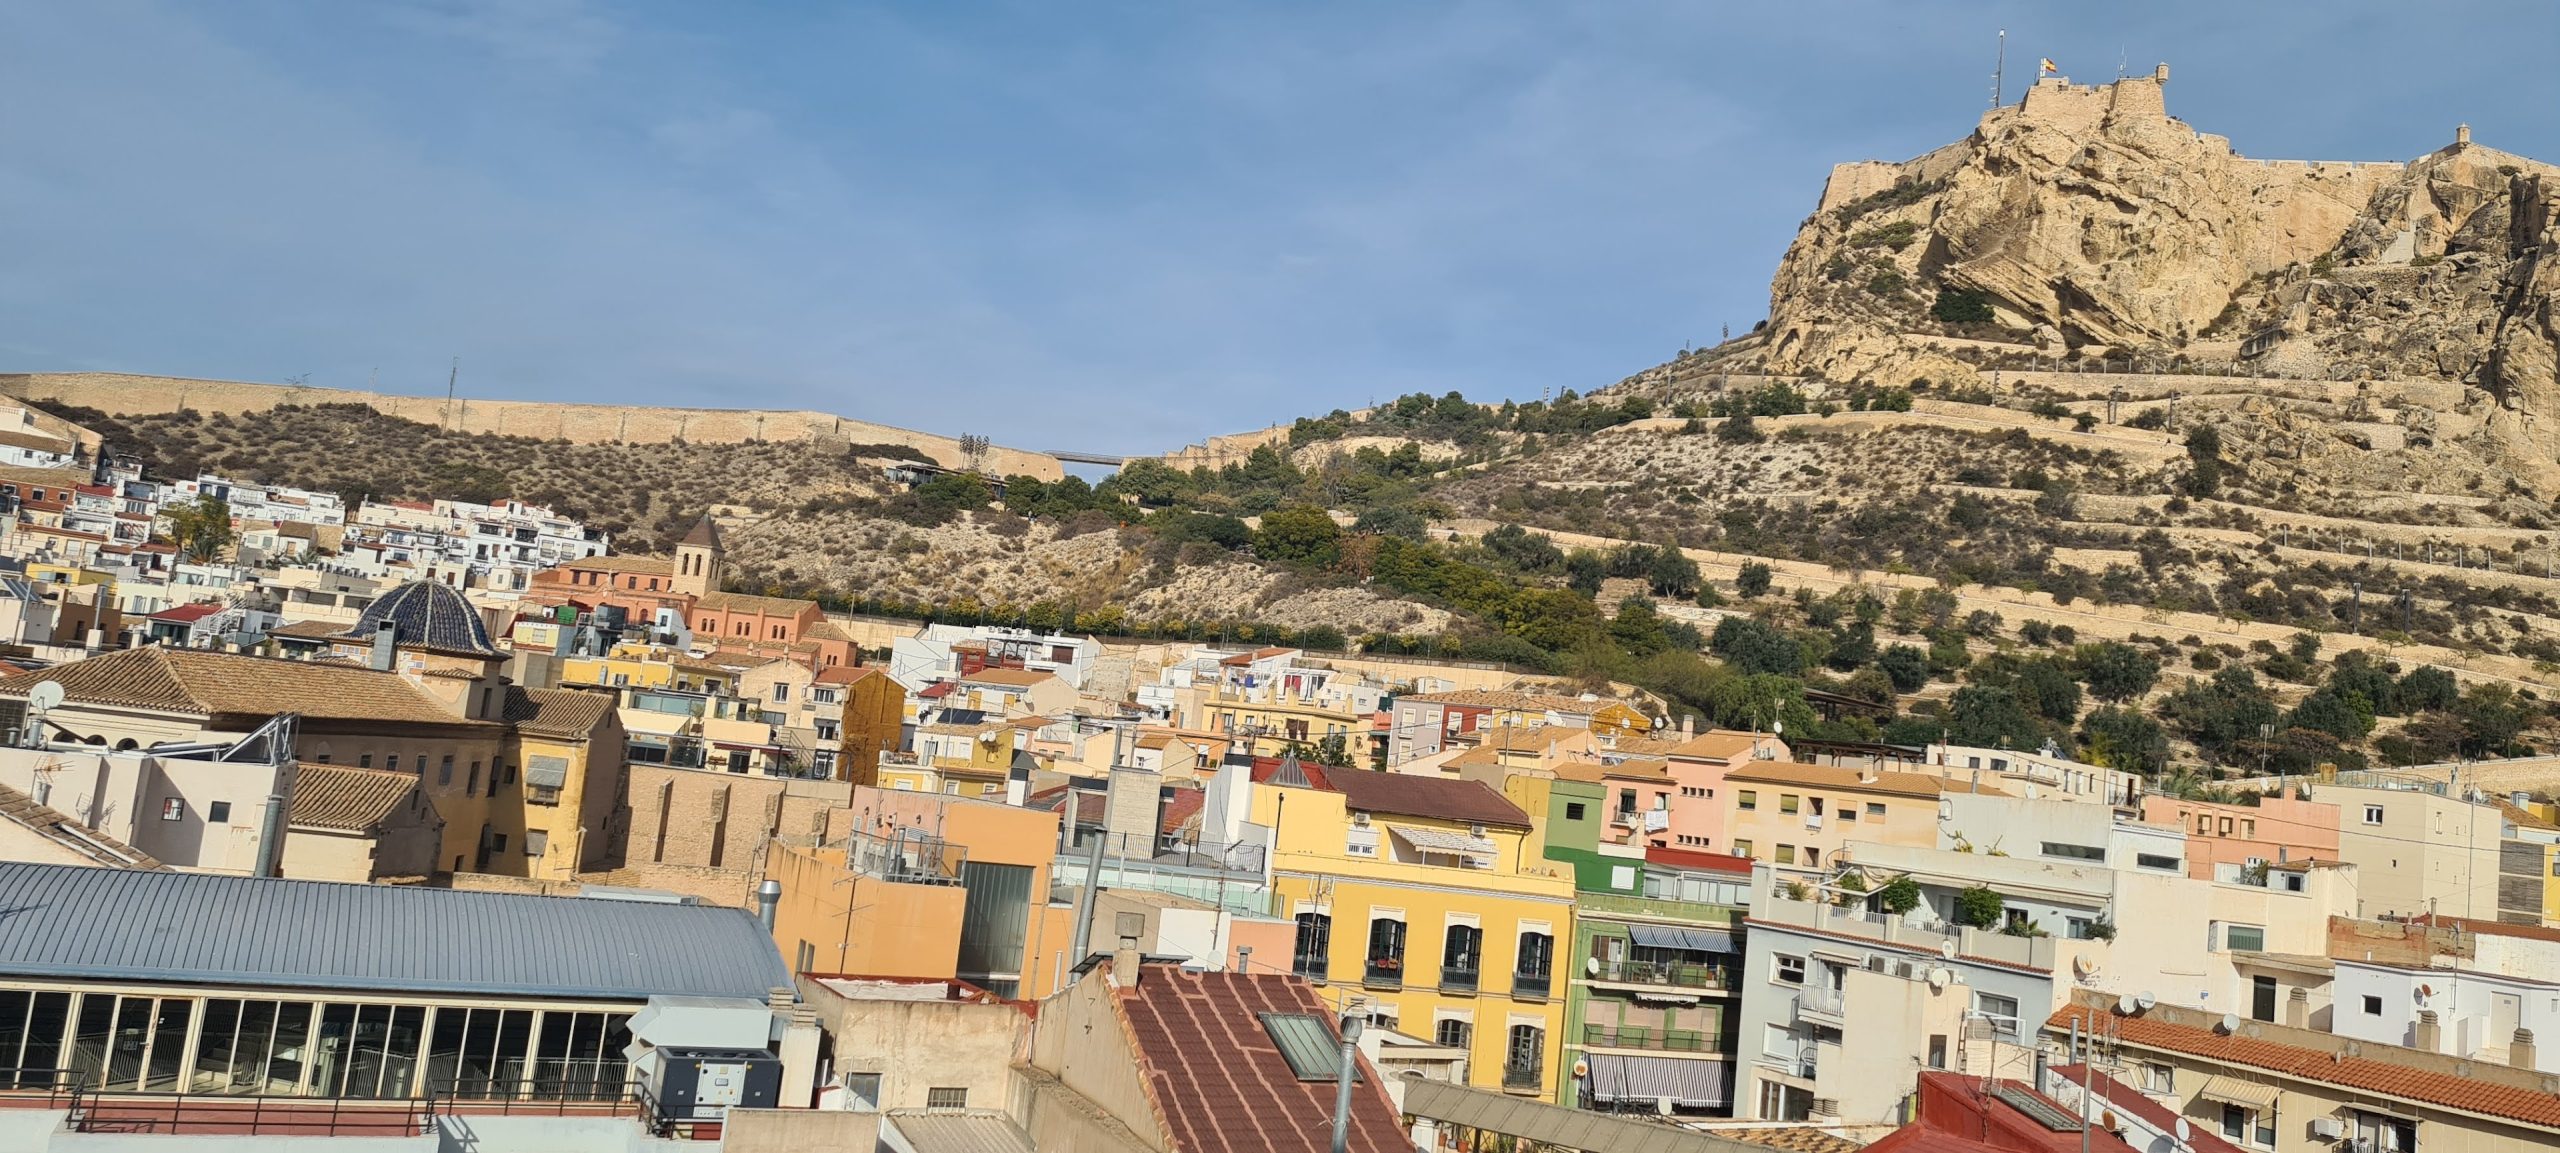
<point x="2049" y="67"/>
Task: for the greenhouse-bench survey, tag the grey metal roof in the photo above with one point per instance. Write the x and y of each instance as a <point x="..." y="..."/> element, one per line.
<point x="1556" y="1126"/>
<point x="970" y="1132"/>
<point x="198" y="928"/>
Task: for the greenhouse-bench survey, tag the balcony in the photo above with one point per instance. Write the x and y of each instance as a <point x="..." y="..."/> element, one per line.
<point x="1674" y="974"/>
<point x="1383" y="973"/>
<point x="1531" y="986"/>
<point x="1707" y="914"/>
<point x="1644" y="820"/>
<point x="1818" y="1001"/>
<point x="1656" y="1040"/>
<point x="1523" y="1078"/>
<point x="1458" y="980"/>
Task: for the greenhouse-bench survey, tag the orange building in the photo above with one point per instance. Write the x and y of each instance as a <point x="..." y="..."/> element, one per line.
<point x="928" y="885"/>
<point x="773" y="628"/>
<point x="874" y="718"/>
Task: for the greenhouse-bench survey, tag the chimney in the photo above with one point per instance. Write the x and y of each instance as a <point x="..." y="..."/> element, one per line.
<point x="768" y="903"/>
<point x="1688" y="724"/>
<point x="2461" y="135"/>
<point x="2520" y="1051"/>
<point x="1124" y="960"/>
<point x="383" y="637"/>
<point x="2297" y="1009"/>
<point x="2430" y="1034"/>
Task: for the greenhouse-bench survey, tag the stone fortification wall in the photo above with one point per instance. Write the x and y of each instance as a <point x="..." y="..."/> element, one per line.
<point x="578" y="423"/>
<point x="1221" y="451"/>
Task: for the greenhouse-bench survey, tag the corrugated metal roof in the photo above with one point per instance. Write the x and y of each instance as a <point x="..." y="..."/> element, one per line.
<point x="961" y="1132"/>
<point x="67" y="921"/>
<point x="1554" y="1125"/>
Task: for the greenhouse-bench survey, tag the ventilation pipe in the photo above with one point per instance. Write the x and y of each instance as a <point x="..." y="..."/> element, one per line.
<point x="383" y="648"/>
<point x="768" y="903"/>
<point x="271" y="830"/>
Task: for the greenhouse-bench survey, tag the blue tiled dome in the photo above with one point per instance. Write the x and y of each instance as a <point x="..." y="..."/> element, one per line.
<point x="427" y="615"/>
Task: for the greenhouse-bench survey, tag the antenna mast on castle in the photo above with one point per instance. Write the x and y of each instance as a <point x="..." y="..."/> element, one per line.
<point x="1999" y="70"/>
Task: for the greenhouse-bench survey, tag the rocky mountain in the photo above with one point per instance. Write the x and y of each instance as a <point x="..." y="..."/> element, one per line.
<point x="2086" y="222"/>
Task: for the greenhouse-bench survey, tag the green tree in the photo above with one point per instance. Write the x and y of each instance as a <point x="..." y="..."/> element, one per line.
<point x="1991" y="717"/>
<point x="1753" y="579"/>
<point x="1672" y="573"/>
<point x="2222" y="714"/>
<point x="2115" y="671"/>
<point x="2204" y="461"/>
<point x="1979" y="907"/>
<point x="1907" y="665"/>
<point x="2427" y="687"/>
<point x="201" y="528"/>
<point x="1298" y="534"/>
<point x="1899" y="895"/>
<point x="1638" y="628"/>
<point x="2491" y="715"/>
<point x="1755" y="646"/>
<point x="2327" y="712"/>
<point x="2122" y="738"/>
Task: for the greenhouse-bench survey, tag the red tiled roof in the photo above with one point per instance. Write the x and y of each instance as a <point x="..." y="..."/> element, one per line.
<point x="2388" y="1078"/>
<point x="2485" y="928"/>
<point x="1265" y="767"/>
<point x="1217" y="1079"/>
<point x="845" y="674"/>
<point x="2122" y="1098"/>
<point x="937" y="690"/>
<point x="1692" y="859"/>
<point x="186" y="614"/>
<point x="1959" y="1115"/>
<point x="1179" y="810"/>
<point x="1415" y="795"/>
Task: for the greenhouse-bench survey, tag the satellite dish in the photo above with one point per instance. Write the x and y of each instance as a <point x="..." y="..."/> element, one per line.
<point x="1947" y="949"/>
<point x="2183" y="1130"/>
<point x="2229" y="1024"/>
<point x="1778" y="727"/>
<point x="2124" y="1004"/>
<point x="45" y="695"/>
<point x="1581" y="1068"/>
<point x="1591" y="966"/>
<point x="2144" y="1002"/>
<point x="1938" y="979"/>
<point x="1662" y="1105"/>
<point x="2423" y="992"/>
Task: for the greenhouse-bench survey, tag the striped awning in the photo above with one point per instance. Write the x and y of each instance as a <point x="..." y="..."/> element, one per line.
<point x="1443" y="841"/>
<point x="2235" y="1092"/>
<point x="1681" y="937"/>
<point x="1690" y="1081"/>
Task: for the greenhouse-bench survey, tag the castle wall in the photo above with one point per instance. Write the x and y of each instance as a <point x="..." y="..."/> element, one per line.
<point x="577" y="423"/>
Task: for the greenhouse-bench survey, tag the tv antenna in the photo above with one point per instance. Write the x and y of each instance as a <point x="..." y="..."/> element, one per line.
<point x="451" y="378"/>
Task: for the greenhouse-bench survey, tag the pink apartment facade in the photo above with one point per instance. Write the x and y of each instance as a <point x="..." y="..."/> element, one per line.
<point x="2276" y="829"/>
<point x="1697" y="768"/>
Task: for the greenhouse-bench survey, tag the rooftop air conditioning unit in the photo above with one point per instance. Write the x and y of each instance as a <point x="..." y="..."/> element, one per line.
<point x="1361" y="819"/>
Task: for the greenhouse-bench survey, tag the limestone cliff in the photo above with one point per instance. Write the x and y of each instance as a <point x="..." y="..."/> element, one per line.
<point x="2087" y="220"/>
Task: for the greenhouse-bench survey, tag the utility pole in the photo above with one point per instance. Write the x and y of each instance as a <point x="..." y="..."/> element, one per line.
<point x="451" y="378"/>
<point x="1351" y="1024"/>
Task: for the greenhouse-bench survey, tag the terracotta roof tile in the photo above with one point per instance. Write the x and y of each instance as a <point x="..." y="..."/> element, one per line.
<point x="231" y="684"/>
<point x="568" y="713"/>
<point x="750" y="603"/>
<point x="1010" y="678"/>
<point x="1835" y="777"/>
<point x="2323" y="1066"/>
<point x="349" y="798"/>
<point x="1416" y="795"/>
<point x="1218" y="1080"/>
<point x="78" y="839"/>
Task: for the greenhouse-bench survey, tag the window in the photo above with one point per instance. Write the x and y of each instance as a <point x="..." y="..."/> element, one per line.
<point x="173" y="809"/>
<point x="1524" y="1059"/>
<point x="2248" y="938"/>
<point x="364" y="760"/>
<point x="2262" y="1131"/>
<point x="1848" y="812"/>
<point x="1875" y="809"/>
<point x="1310" y="1048"/>
<point x="2002" y="1012"/>
<point x="1786" y="854"/>
<point x="2372" y="1006"/>
<point x="1315" y="937"/>
<point x="2074" y="852"/>
<point x="1535" y="966"/>
<point x="945" y="1098"/>
<point x="469" y="787"/>
<point x="1361" y="842"/>
<point x="2078" y="927"/>
<point x="535" y="841"/>
<point x="1461" y="956"/>
<point x="1786" y="969"/>
<point x="2155" y="861"/>
<point x="1747" y="799"/>
<point x="2159" y="1078"/>
<point x="1789" y="802"/>
<point x="2373" y="814"/>
<point x="1573" y="810"/>
<point x="781" y="693"/>
<point x="1452" y="1032"/>
<point x="1386" y="950"/>
<point x="219" y="812"/>
<point x="393" y="761"/>
<point x="1937" y="1050"/>
<point x="1742" y="848"/>
<point x="2262" y="998"/>
<point x="2235" y="1123"/>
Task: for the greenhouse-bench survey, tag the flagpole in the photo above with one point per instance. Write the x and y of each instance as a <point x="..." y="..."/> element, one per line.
<point x="1999" y="70"/>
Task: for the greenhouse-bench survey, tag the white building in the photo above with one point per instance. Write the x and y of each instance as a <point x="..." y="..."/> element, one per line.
<point x="941" y="652"/>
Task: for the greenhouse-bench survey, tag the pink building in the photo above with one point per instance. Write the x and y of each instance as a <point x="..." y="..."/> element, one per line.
<point x="2275" y="829"/>
<point x="1697" y="768"/>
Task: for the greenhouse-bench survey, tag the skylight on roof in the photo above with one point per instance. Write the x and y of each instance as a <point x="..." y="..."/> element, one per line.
<point x="1306" y="1043"/>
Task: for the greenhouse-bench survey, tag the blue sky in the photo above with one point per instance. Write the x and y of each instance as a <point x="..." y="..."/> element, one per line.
<point x="1110" y="227"/>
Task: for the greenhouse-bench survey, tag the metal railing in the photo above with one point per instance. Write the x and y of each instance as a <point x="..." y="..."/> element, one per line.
<point x="1459" y="980"/>
<point x="1382" y="974"/>
<point x="212" y="1114"/>
<point x="1680" y="974"/>
<point x="1535" y="985"/>
<point x="1819" y="999"/>
<point x="590" y="1091"/>
<point x="1523" y="1077"/>
<point x="52" y="1086"/>
<point x="1660" y="1040"/>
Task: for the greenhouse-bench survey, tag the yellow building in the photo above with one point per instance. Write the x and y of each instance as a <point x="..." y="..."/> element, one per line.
<point x="1797" y="816"/>
<point x="565" y="752"/>
<point x="649" y="667"/>
<point x="872" y="721"/>
<point x="1427" y="902"/>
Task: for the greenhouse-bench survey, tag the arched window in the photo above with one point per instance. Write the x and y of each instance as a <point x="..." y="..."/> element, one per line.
<point x="1386" y="951"/>
<point x="1524" y="1058"/>
<point x="1531" y="974"/>
<point x="1453" y="1032"/>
